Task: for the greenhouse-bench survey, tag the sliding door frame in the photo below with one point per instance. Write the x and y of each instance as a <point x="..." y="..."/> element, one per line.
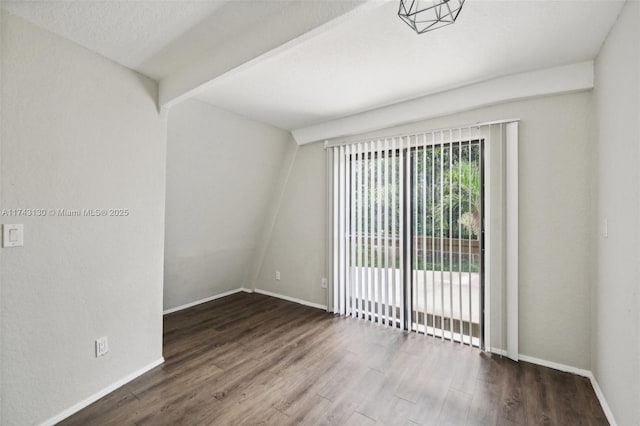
<point x="499" y="246"/>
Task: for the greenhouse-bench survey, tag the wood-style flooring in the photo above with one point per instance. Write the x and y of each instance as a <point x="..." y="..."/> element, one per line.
<point x="252" y="359"/>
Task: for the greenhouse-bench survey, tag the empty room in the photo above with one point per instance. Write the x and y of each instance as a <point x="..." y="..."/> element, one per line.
<point x="320" y="212"/>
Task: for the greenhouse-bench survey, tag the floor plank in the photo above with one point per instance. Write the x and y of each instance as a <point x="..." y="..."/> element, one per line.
<point x="250" y="359"/>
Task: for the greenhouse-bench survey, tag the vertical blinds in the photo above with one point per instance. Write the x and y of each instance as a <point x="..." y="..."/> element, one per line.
<point x="368" y="231"/>
<point x="405" y="248"/>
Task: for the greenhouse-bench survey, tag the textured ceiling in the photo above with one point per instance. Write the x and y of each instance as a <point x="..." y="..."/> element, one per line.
<point x="375" y="59"/>
<point x="158" y="37"/>
<point x="155" y="38"/>
<point x="128" y="32"/>
<point x="363" y="61"/>
<point x="223" y="26"/>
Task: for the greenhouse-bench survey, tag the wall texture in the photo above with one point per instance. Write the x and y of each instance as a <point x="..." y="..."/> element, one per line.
<point x="616" y="318"/>
<point x="222" y="179"/>
<point x="296" y="244"/>
<point x="554" y="224"/>
<point x="78" y="131"/>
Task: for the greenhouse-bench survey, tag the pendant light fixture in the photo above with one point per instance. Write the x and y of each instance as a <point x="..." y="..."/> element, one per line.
<point x="427" y="15"/>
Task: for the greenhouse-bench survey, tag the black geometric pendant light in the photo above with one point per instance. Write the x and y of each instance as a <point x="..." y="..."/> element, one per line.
<point x="427" y="15"/>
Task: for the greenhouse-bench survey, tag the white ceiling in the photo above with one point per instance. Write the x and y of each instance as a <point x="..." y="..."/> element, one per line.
<point x="375" y="59"/>
<point x="155" y="37"/>
<point x="160" y="37"/>
<point x="364" y="61"/>
<point x="129" y="33"/>
<point x="220" y="27"/>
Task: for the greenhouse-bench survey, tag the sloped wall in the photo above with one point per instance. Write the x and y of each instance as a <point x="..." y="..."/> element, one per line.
<point x="222" y="177"/>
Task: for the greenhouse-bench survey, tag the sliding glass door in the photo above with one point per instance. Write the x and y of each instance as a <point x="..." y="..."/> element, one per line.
<point x="407" y="237"/>
<point x="446" y="193"/>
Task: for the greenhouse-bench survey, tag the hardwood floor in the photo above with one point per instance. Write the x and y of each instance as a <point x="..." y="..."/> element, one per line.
<point x="253" y="359"/>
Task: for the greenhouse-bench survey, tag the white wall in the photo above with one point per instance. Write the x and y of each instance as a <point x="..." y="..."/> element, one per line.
<point x="222" y="175"/>
<point x="554" y="224"/>
<point x="78" y="131"/>
<point x="616" y="339"/>
<point x="296" y="245"/>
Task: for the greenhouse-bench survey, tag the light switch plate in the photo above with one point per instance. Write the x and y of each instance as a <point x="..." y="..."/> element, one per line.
<point x="12" y="235"/>
<point x="102" y="346"/>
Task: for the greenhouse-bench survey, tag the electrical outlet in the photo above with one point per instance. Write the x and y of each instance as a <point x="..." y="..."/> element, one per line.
<point x="102" y="346"/>
<point x="277" y="275"/>
<point x="324" y="283"/>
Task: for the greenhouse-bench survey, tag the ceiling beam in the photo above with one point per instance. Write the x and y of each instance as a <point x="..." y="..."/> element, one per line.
<point x="302" y="21"/>
<point x="563" y="79"/>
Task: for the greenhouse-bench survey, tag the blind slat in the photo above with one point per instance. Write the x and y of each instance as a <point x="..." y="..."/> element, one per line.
<point x="394" y="285"/>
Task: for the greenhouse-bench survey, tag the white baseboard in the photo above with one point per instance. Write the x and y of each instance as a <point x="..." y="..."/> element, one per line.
<point x="96" y="396"/>
<point x="555" y="365"/>
<point x="291" y="299"/>
<point x="205" y="300"/>
<point x="603" y="401"/>
<point x="568" y="369"/>
<point x="246" y="290"/>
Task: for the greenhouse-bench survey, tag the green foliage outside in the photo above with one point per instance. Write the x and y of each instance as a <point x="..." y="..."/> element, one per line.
<point x="445" y="202"/>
